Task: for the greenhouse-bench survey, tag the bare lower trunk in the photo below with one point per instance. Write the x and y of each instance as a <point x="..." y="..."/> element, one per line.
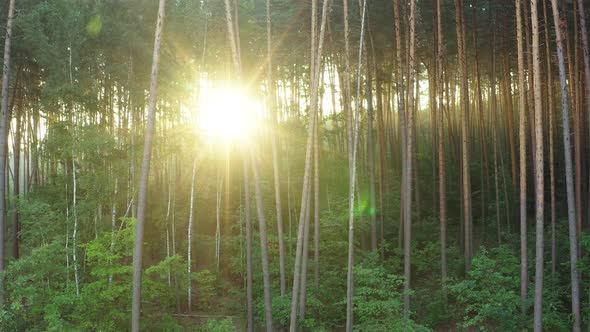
<point x="263" y="245"/>
<point x="189" y="236"/>
<point x="75" y="234"/>
<point x="249" y="305"/>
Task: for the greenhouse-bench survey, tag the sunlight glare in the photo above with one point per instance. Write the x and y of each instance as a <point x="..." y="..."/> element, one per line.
<point x="226" y="115"/>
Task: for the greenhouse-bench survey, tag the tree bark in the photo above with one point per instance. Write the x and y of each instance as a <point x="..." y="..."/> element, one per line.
<point x="249" y="301"/>
<point x="441" y="147"/>
<point x="275" y="159"/>
<point x="569" y="179"/>
<point x="409" y="162"/>
<point x="4" y="139"/>
<point x="316" y="61"/>
<point x="189" y="236"/>
<point x="145" y="172"/>
<point x="352" y="185"/>
<point x="522" y="145"/>
<point x="263" y="244"/>
<point x="539" y="172"/>
<point x="466" y="183"/>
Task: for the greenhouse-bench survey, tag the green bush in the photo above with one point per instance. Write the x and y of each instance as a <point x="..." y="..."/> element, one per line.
<point x="489" y="298"/>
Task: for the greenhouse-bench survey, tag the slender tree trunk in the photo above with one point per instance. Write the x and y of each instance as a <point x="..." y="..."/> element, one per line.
<point x="114" y="227"/>
<point x="316" y="204"/>
<point x="305" y="258"/>
<point x="551" y="138"/>
<point x="4" y="138"/>
<point x="275" y="158"/>
<point x="316" y="61"/>
<point x="250" y="305"/>
<point x="466" y="183"/>
<point x="347" y="84"/>
<point x="571" y="209"/>
<point x="539" y="172"/>
<point x="441" y="147"/>
<point x="189" y="236"/>
<point x="371" y="154"/>
<point x="352" y="185"/>
<point x="586" y="53"/>
<point x="75" y="234"/>
<point x="263" y="244"/>
<point x="145" y="171"/>
<point x="522" y="144"/>
<point x="16" y="177"/>
<point x="409" y="162"/>
<point x="401" y="109"/>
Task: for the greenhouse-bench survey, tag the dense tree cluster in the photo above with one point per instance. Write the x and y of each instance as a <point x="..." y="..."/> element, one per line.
<point x="403" y="165"/>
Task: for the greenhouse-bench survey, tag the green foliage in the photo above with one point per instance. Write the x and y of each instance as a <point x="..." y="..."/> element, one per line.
<point x="378" y="304"/>
<point x="489" y="298"/>
<point x="41" y="295"/>
<point x="206" y="288"/>
<point x="218" y="325"/>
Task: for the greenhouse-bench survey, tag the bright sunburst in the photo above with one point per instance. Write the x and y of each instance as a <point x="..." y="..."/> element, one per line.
<point x="226" y="114"/>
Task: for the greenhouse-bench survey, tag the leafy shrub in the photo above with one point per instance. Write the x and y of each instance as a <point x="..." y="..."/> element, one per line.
<point x="378" y="302"/>
<point x="489" y="298"/>
<point x="218" y="325"/>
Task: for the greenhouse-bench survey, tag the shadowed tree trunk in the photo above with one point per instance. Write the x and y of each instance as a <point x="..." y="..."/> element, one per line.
<point x="569" y="178"/>
<point x="539" y="172"/>
<point x="441" y="147"/>
<point x="4" y="139"/>
<point x="522" y="145"/>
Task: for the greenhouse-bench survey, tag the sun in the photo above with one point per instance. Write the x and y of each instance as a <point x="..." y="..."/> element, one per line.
<point x="226" y="115"/>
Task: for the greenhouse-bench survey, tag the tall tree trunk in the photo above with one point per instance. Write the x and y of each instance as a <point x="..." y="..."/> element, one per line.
<point x="352" y="184"/>
<point x="441" y="147"/>
<point x="316" y="204"/>
<point x="75" y="233"/>
<point x="263" y="244"/>
<point x="316" y="61"/>
<point x="4" y="139"/>
<point x="401" y="109"/>
<point x="522" y="145"/>
<point x="582" y="15"/>
<point x="347" y="84"/>
<point x="305" y="258"/>
<point x="145" y="172"/>
<point x="569" y="179"/>
<point x="16" y="177"/>
<point x="114" y="228"/>
<point x="466" y="183"/>
<point x="409" y="161"/>
<point x="189" y="237"/>
<point x="551" y="138"/>
<point x="275" y="158"/>
<point x="371" y="153"/>
<point x="249" y="305"/>
<point x="539" y="172"/>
